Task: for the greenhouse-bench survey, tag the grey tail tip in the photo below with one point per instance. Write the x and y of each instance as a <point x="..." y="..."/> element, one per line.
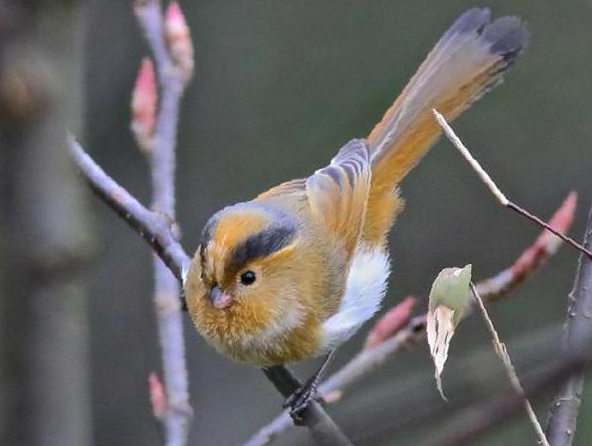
<point x="507" y="36"/>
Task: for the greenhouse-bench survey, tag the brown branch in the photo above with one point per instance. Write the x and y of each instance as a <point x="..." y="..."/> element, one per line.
<point x="161" y="153"/>
<point x="561" y="426"/>
<point x="410" y="335"/>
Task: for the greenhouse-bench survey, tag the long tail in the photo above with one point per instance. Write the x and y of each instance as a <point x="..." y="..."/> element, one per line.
<point x="470" y="59"/>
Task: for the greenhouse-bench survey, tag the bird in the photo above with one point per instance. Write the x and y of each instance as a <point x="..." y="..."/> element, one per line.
<point x="293" y="273"/>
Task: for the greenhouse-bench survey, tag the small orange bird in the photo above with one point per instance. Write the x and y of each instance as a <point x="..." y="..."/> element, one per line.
<point x="295" y="272"/>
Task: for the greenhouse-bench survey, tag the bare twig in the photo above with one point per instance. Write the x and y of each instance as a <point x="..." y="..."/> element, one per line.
<point x="155" y="229"/>
<point x="502" y="353"/>
<point x="532" y="259"/>
<point x="161" y="152"/>
<point x="562" y="422"/>
<point x="497" y="193"/>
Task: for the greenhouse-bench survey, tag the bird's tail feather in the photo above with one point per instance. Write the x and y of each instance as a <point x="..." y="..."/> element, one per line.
<point x="469" y="59"/>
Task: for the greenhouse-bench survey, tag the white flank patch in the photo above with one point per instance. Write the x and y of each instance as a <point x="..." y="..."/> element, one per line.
<point x="364" y="291"/>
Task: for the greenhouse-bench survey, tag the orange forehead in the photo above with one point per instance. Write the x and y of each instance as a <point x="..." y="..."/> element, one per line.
<point x="231" y="230"/>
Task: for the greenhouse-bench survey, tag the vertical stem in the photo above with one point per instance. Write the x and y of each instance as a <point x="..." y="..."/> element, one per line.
<point x="166" y="286"/>
<point x="563" y="417"/>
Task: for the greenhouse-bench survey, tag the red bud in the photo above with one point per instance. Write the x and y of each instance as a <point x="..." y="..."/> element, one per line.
<point x="547" y="243"/>
<point x="157" y="396"/>
<point x="391" y="323"/>
<point x="179" y="41"/>
<point x="144" y="100"/>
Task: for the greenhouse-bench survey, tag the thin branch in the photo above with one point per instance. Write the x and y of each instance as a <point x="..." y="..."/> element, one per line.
<point x="502" y="353"/>
<point x="161" y="152"/>
<point x="156" y="229"/>
<point x="149" y="16"/>
<point x="532" y="259"/>
<point x="561" y="426"/>
<point x="497" y="193"/>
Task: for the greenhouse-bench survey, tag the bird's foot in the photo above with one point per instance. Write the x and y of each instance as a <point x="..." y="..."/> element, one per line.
<point x="301" y="399"/>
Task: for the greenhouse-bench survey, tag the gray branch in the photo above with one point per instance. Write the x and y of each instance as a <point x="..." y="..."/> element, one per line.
<point x="178" y="414"/>
<point x="156" y="229"/>
<point x="563" y="417"/>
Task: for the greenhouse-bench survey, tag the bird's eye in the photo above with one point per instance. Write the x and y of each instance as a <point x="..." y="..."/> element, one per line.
<point x="248" y="278"/>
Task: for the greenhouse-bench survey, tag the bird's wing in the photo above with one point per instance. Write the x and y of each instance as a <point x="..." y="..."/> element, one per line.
<point x="338" y="194"/>
<point x="294" y="188"/>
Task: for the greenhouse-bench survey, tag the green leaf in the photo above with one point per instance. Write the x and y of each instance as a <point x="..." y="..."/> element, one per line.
<point x="448" y="300"/>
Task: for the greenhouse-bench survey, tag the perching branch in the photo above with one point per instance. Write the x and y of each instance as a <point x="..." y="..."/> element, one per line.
<point x="561" y="426"/>
<point x="411" y="334"/>
<point x="160" y="149"/>
<point x="323" y="428"/>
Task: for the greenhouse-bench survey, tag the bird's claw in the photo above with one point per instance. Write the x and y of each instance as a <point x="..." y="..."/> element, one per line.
<point x="299" y="401"/>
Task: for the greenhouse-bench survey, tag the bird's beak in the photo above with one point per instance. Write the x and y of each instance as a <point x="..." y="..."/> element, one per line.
<point x="219" y="298"/>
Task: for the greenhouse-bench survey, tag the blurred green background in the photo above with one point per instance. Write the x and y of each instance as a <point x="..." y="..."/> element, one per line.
<point x="278" y="87"/>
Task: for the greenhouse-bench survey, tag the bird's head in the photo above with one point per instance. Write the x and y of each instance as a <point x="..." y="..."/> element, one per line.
<point x="244" y="275"/>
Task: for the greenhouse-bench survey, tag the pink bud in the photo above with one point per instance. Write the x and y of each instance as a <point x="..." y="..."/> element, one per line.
<point x="391" y="323"/>
<point x="179" y="41"/>
<point x="144" y="100"/>
<point x="157" y="396"/>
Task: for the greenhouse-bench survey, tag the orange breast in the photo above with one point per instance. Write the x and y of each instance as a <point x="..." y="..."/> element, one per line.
<point x="257" y="335"/>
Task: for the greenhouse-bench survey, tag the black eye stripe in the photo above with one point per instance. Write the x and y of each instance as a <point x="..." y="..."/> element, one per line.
<point x="261" y="245"/>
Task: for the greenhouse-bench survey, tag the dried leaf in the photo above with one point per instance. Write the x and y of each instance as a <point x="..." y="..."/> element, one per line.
<point x="448" y="300"/>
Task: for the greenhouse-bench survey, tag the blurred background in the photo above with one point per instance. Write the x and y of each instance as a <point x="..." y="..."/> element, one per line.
<point x="278" y="88"/>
